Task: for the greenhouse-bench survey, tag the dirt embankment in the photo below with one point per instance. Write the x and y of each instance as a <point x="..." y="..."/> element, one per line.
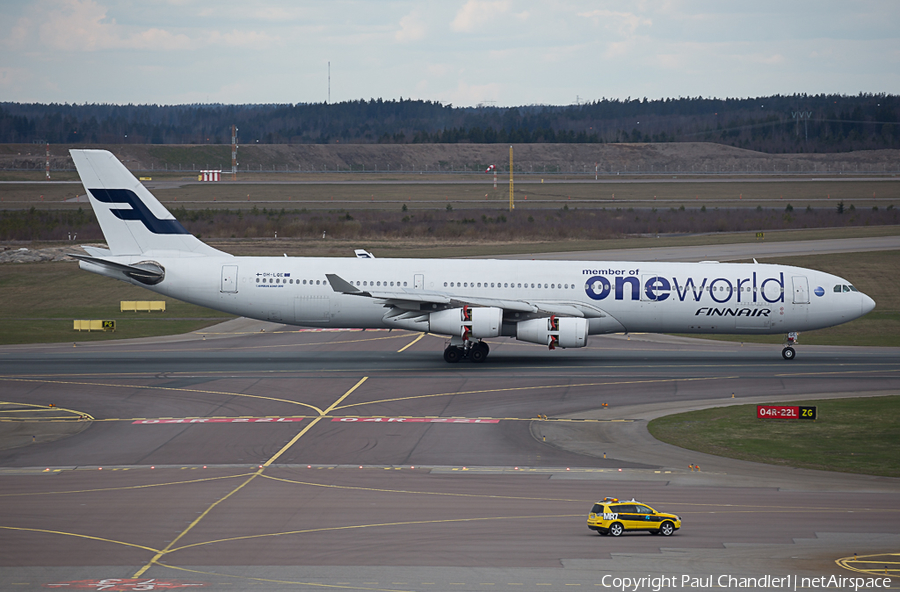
<point x="676" y="158"/>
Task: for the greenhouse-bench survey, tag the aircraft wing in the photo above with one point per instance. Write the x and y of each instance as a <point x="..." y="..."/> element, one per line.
<point x="411" y="300"/>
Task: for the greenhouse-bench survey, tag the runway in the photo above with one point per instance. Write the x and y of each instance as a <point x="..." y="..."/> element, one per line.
<point x="306" y="460"/>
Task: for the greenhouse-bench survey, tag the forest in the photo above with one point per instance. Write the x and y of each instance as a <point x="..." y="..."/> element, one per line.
<point x="775" y="124"/>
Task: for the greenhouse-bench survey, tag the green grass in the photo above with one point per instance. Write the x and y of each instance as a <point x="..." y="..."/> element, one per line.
<point x="39" y="301"/>
<point x="850" y="435"/>
<point x="127" y="327"/>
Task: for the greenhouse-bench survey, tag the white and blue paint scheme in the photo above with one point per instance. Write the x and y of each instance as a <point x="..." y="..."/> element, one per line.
<point x="556" y="304"/>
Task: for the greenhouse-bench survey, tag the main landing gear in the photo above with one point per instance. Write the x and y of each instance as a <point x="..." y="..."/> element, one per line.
<point x="790" y="341"/>
<point x="477" y="351"/>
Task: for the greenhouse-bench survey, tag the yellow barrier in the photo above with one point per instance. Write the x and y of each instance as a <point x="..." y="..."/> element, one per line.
<point x="142" y="305"/>
<point x="94" y="325"/>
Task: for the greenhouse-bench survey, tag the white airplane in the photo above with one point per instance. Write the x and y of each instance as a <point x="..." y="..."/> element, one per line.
<point x="553" y="303"/>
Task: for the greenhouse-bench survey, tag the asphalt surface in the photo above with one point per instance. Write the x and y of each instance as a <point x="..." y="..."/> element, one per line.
<point x="277" y="460"/>
<point x="725" y="252"/>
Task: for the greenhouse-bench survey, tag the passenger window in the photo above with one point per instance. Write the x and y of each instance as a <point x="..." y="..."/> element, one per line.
<point x="404" y="284"/>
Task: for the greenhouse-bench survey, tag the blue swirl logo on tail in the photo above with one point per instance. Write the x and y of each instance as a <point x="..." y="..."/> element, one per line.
<point x="138" y="211"/>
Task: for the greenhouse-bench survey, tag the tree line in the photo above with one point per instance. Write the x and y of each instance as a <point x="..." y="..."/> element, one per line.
<point x="773" y="124"/>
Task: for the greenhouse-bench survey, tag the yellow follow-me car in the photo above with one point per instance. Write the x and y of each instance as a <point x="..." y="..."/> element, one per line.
<point x="614" y="517"/>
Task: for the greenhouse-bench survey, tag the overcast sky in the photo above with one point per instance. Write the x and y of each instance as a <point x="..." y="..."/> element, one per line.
<point x="463" y="52"/>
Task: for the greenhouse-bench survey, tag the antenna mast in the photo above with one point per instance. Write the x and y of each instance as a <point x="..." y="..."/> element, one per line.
<point x="512" y="205"/>
<point x="234" y="148"/>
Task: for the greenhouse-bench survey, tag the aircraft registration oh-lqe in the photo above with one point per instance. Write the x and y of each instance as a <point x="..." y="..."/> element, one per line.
<point x="557" y="304"/>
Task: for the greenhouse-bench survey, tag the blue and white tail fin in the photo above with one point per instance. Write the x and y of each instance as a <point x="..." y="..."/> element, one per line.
<point x="132" y="220"/>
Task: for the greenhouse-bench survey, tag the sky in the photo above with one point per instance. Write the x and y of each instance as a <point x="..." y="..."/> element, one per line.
<point x="459" y="52"/>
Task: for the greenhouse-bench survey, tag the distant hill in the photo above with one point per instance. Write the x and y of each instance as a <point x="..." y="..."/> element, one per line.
<point x="776" y="124"/>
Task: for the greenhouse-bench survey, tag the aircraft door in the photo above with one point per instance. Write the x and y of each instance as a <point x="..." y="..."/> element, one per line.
<point x="419" y="281"/>
<point x="801" y="289"/>
<point x="229" y="279"/>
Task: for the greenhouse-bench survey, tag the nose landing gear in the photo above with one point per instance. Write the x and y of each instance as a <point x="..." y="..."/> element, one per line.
<point x="477" y="351"/>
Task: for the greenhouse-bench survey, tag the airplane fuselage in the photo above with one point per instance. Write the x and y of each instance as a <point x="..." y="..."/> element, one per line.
<point x="613" y="296"/>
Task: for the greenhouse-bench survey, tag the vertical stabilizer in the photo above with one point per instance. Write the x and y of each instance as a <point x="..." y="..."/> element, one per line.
<point x="132" y="220"/>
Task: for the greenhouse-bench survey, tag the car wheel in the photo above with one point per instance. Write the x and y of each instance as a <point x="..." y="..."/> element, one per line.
<point x="616" y="529"/>
<point x="666" y="529"/>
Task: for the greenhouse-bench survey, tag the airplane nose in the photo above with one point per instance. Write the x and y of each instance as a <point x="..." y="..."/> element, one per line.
<point x="866" y="304"/>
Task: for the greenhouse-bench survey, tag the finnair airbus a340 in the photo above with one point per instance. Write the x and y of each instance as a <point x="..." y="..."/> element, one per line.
<point x="557" y="304"/>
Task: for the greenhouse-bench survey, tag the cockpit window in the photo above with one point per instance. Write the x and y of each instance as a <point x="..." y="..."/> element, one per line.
<point x="852" y="289"/>
<point x="837" y="288"/>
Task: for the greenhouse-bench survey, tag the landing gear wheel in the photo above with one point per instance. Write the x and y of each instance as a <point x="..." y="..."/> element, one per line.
<point x="452" y="354"/>
<point x="666" y="529"/>
<point x="479" y="352"/>
<point x="616" y="529"/>
<point x="788" y="353"/>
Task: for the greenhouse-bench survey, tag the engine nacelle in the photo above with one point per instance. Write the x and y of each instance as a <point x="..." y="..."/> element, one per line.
<point x="467" y="322"/>
<point x="554" y="332"/>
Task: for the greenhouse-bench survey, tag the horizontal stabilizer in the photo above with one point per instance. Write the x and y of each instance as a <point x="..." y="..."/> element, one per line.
<point x="146" y="272"/>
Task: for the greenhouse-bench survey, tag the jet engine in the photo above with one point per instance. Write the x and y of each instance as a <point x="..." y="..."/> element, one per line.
<point x="466" y="322"/>
<point x="554" y="332"/>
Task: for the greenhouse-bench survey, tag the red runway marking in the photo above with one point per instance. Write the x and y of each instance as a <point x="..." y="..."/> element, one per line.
<point x="200" y="420"/>
<point x="117" y="585"/>
<point x="413" y="420"/>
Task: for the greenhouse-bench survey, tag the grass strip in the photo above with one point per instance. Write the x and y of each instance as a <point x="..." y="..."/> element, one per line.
<point x="858" y="435"/>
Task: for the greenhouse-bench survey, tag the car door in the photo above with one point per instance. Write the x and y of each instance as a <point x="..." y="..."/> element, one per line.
<point x="625" y="513"/>
<point x="645" y="518"/>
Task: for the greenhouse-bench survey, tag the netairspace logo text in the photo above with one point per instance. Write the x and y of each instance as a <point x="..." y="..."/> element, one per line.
<point x="789" y="582"/>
